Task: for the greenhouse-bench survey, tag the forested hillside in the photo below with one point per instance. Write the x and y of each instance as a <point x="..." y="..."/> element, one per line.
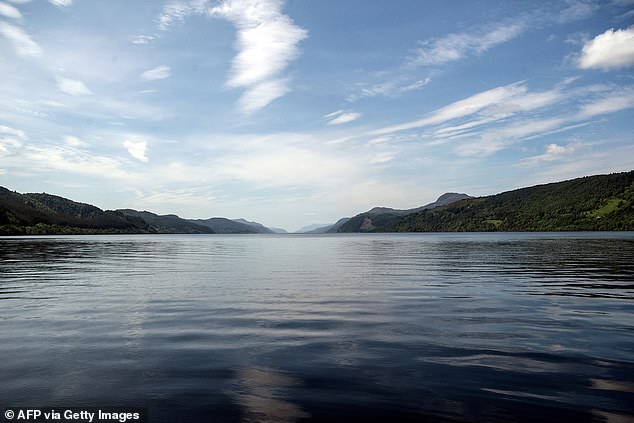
<point x="593" y="203"/>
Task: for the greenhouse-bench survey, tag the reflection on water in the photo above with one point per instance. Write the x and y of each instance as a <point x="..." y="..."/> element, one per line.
<point x="261" y="391"/>
<point x="455" y="327"/>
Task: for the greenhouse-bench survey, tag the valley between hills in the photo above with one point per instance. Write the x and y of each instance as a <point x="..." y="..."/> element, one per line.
<point x="592" y="203"/>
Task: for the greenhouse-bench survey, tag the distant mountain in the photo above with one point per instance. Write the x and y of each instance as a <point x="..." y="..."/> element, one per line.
<point x="169" y="223"/>
<point x="602" y="202"/>
<point x="258" y="227"/>
<point x="592" y="203"/>
<point x="332" y="228"/>
<point x="312" y="227"/>
<point x="379" y="217"/>
<point x="38" y="214"/>
<point x="42" y="214"/>
<point x="221" y="225"/>
<point x="278" y="230"/>
<point x="443" y="200"/>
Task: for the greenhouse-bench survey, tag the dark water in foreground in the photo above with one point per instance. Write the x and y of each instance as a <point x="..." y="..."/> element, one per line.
<point x="465" y="327"/>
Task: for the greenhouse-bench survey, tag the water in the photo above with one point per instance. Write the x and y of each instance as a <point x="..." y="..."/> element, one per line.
<point x="419" y="327"/>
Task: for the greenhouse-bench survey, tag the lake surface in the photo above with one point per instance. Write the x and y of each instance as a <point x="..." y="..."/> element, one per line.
<point x="410" y="327"/>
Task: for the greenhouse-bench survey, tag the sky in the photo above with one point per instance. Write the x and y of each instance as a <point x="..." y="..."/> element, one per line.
<point x="302" y="112"/>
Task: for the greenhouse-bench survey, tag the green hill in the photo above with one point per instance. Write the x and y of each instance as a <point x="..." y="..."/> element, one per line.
<point x="169" y="223"/>
<point x="593" y="203"/>
<point x="46" y="214"/>
<point x="41" y="214"/>
<point x="221" y="225"/>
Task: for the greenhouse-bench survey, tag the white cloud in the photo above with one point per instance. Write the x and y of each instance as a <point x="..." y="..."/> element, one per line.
<point x="73" y="141"/>
<point x="61" y="3"/>
<point x="9" y="11"/>
<point x="576" y="10"/>
<point x="10" y="139"/>
<point x="8" y="144"/>
<point x="6" y="130"/>
<point x="495" y="119"/>
<point x="382" y="158"/>
<point x="183" y="197"/>
<point x="614" y="102"/>
<point x="72" y="86"/>
<point x="455" y="130"/>
<point x="137" y="149"/>
<point x="457" y="46"/>
<point x="177" y="11"/>
<point x="341" y="116"/>
<point x="261" y="94"/>
<point x="267" y="43"/>
<point x="142" y="39"/>
<point x="499" y="138"/>
<point x="22" y="42"/>
<point x="462" y="108"/>
<point x="610" y="50"/>
<point x="379" y="140"/>
<point x="390" y="88"/>
<point x="288" y="166"/>
<point x="554" y="152"/>
<point x="74" y="161"/>
<point x="159" y="72"/>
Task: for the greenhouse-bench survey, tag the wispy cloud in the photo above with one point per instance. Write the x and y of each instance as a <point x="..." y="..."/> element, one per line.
<point x="136" y="149"/>
<point x="610" y="103"/>
<point x="260" y="95"/>
<point x="194" y="196"/>
<point x="159" y="72"/>
<point x="341" y="116"/>
<point x="267" y="42"/>
<point x="457" y="46"/>
<point x="495" y="119"/>
<point x="72" y="86"/>
<point x="382" y="158"/>
<point x="10" y="11"/>
<point x="391" y="88"/>
<point x="142" y="39"/>
<point x="177" y="11"/>
<point x="497" y="139"/>
<point x="22" y="42"/>
<point x="577" y="10"/>
<point x="610" y="50"/>
<point x="61" y="3"/>
<point x="7" y="130"/>
<point x="553" y="152"/>
<point x="462" y="108"/>
<point x="73" y="141"/>
<point x="74" y="161"/>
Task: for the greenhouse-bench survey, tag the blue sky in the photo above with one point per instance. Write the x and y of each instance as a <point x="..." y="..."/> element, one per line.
<point x="292" y="113"/>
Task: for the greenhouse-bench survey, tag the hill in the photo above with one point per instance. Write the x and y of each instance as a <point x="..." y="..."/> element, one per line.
<point x="443" y="200"/>
<point x="379" y="217"/>
<point x="39" y="214"/>
<point x="221" y="225"/>
<point x="169" y="223"/>
<point x="329" y="229"/>
<point x="258" y="227"/>
<point x="592" y="203"/>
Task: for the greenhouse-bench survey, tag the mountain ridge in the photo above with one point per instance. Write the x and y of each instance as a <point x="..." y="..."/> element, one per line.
<point x="590" y="203"/>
